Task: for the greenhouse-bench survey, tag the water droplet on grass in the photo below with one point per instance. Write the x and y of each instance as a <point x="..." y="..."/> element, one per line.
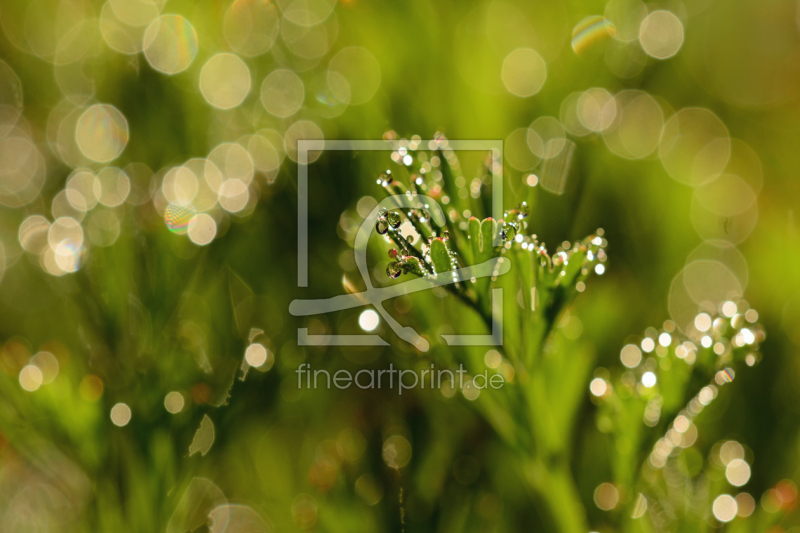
<point x="394" y="269"/>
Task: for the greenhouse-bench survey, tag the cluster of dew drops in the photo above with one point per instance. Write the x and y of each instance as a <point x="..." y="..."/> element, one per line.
<point x="407" y="259"/>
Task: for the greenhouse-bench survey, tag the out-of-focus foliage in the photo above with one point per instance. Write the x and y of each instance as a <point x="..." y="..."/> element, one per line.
<point x="148" y="259"/>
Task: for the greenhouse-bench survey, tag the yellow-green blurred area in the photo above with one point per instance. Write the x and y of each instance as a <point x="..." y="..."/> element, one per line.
<point x="148" y="257"/>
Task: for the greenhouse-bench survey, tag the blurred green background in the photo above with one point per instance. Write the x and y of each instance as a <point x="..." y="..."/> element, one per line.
<point x="148" y="237"/>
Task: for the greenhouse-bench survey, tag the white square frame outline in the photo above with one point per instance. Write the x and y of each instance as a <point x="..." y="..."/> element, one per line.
<point x="304" y="146"/>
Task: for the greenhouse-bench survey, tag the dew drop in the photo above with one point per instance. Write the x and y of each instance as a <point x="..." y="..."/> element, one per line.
<point x="393" y="270"/>
<point x="509" y="232"/>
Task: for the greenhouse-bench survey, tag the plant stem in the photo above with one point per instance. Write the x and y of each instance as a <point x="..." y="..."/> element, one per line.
<point x="553" y="487"/>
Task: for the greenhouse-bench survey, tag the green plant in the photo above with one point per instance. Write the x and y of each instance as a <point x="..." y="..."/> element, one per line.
<point x="648" y="404"/>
